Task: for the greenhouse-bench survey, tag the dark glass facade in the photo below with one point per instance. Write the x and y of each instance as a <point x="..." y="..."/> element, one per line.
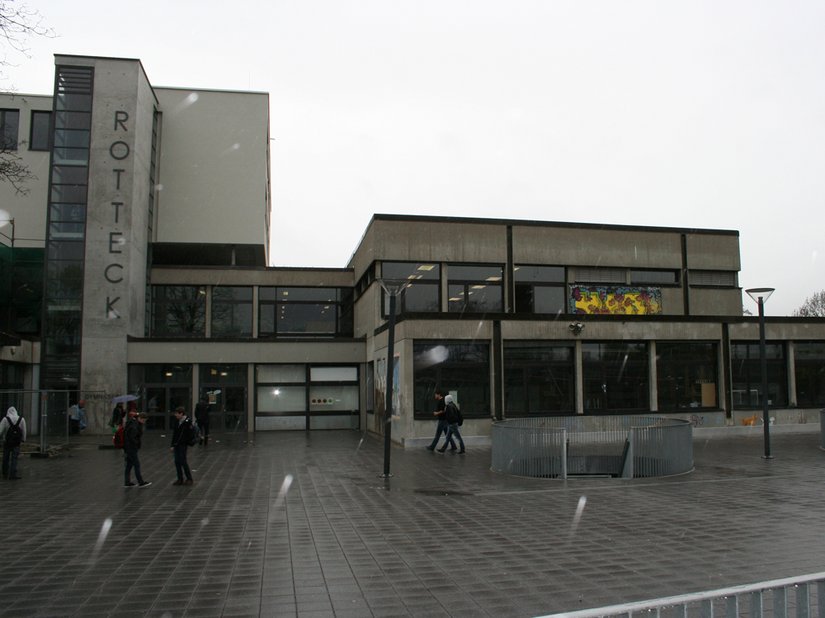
<point x="539" y="378"/>
<point x="178" y="311"/>
<point x="65" y="235"/>
<point x="746" y="375"/>
<point x="462" y="368"/>
<point x="615" y="377"/>
<point x="299" y="311"/>
<point x="686" y="374"/>
<point x="809" y="361"/>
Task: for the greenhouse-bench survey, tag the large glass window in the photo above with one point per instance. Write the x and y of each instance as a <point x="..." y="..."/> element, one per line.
<point x="9" y="126"/>
<point x="809" y="360"/>
<point x="686" y="375"/>
<point x="290" y="311"/>
<point x="178" y="311"/>
<point x="162" y="388"/>
<point x="539" y="289"/>
<point x="615" y="377"/>
<point x="475" y="288"/>
<point x="746" y="375"/>
<point x="460" y="368"/>
<point x="39" y="134"/>
<point x="231" y="311"/>
<point x="224" y="387"/>
<point x="65" y="231"/>
<point x="422" y="291"/>
<point x="539" y="378"/>
<point x="307" y="396"/>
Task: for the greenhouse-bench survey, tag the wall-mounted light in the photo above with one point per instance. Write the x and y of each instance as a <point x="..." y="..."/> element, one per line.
<point x="576" y="328"/>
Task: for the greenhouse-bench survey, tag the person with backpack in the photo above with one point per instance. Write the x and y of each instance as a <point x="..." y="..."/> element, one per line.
<point x="442" y="422"/>
<point x="13" y="434"/>
<point x="132" y="436"/>
<point x="183" y="437"/>
<point x="454" y="419"/>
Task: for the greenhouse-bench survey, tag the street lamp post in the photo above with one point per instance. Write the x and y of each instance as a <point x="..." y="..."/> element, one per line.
<point x="393" y="288"/>
<point x="760" y="295"/>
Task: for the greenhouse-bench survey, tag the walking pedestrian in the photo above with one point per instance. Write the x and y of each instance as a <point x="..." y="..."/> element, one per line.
<point x="13" y="434"/>
<point x="442" y="421"/>
<point x="77" y="417"/>
<point x="182" y="437"/>
<point x="453" y="416"/>
<point x="132" y="438"/>
<point x="202" y="419"/>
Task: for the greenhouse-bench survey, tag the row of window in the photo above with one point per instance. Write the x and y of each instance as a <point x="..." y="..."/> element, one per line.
<point x="538" y="289"/>
<point x="180" y="311"/>
<point x="285" y="395"/>
<point x="540" y="377"/>
<point x="38" y="129"/>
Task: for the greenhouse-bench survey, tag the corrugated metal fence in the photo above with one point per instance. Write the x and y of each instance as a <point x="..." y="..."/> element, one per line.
<point x="625" y="446"/>
<point x="802" y="597"/>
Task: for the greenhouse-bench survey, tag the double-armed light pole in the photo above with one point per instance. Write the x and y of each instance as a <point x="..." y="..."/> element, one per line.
<point x="760" y="295"/>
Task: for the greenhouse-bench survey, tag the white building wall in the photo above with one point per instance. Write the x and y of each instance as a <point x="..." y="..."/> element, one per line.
<point x="214" y="165"/>
<point x="28" y="209"/>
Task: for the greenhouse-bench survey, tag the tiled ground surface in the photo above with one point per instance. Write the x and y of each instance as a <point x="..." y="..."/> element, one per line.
<point x="443" y="537"/>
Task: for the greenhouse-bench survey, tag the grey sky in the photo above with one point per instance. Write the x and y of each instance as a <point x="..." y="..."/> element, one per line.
<point x="665" y="113"/>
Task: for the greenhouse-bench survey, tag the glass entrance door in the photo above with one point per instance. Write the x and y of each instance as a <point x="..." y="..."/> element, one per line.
<point x="161" y="402"/>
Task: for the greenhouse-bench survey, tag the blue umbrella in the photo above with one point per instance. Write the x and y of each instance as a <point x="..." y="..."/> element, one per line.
<point x="124" y="398"/>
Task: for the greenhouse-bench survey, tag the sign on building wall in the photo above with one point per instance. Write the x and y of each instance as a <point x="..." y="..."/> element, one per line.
<point x="615" y="300"/>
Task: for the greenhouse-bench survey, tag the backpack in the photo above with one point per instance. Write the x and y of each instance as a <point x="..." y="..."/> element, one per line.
<point x="191" y="436"/>
<point x="454" y="414"/>
<point x="14" y="435"/>
<point x="119" y="437"/>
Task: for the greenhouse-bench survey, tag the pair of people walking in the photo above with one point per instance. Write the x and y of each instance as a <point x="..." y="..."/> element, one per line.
<point x="449" y="419"/>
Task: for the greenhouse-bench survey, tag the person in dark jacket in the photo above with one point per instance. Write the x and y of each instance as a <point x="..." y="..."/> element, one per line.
<point x="452" y="415"/>
<point x="202" y="419"/>
<point x="180" y="442"/>
<point x="442" y="421"/>
<point x="132" y="435"/>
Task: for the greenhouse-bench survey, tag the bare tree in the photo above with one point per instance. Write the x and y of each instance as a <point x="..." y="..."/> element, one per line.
<point x="18" y="22"/>
<point x="813" y="307"/>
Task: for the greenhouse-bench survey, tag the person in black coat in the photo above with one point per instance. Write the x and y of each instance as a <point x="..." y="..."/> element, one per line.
<point x="180" y="442"/>
<point x="202" y="419"/>
<point x="453" y="418"/>
<point x="132" y="435"/>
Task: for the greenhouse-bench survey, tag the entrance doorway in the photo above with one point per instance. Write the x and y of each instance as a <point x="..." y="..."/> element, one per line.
<point x="161" y="402"/>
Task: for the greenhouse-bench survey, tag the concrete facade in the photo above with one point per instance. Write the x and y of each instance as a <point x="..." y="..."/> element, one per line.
<point x="178" y="201"/>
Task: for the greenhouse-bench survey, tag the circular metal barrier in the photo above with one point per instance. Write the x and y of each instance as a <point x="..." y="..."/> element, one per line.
<point x="608" y="446"/>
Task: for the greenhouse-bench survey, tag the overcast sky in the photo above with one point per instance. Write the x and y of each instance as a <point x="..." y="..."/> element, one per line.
<point x="705" y="114"/>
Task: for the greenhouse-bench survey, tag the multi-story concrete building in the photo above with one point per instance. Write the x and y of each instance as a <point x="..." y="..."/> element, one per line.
<point x="137" y="263"/>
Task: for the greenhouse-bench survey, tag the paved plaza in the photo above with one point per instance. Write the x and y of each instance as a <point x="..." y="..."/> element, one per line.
<point x="302" y="524"/>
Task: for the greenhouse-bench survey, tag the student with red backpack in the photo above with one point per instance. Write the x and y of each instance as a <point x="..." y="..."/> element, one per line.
<point x="13" y="434"/>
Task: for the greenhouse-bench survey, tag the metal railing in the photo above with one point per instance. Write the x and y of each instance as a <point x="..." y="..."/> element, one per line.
<point x="626" y="446"/>
<point x="802" y="596"/>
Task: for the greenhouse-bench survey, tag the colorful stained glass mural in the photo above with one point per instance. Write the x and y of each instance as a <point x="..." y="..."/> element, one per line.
<point x="615" y="300"/>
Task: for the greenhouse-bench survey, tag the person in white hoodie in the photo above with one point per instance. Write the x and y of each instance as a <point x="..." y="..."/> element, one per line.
<point x="13" y="434"/>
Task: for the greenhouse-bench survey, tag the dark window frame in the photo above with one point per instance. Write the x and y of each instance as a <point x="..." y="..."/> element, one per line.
<point x="461" y="286"/>
<point x="9" y="143"/>
<point x="37" y="140"/>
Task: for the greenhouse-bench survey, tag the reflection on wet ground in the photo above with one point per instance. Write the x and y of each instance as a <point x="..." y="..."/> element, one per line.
<point x="295" y="524"/>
